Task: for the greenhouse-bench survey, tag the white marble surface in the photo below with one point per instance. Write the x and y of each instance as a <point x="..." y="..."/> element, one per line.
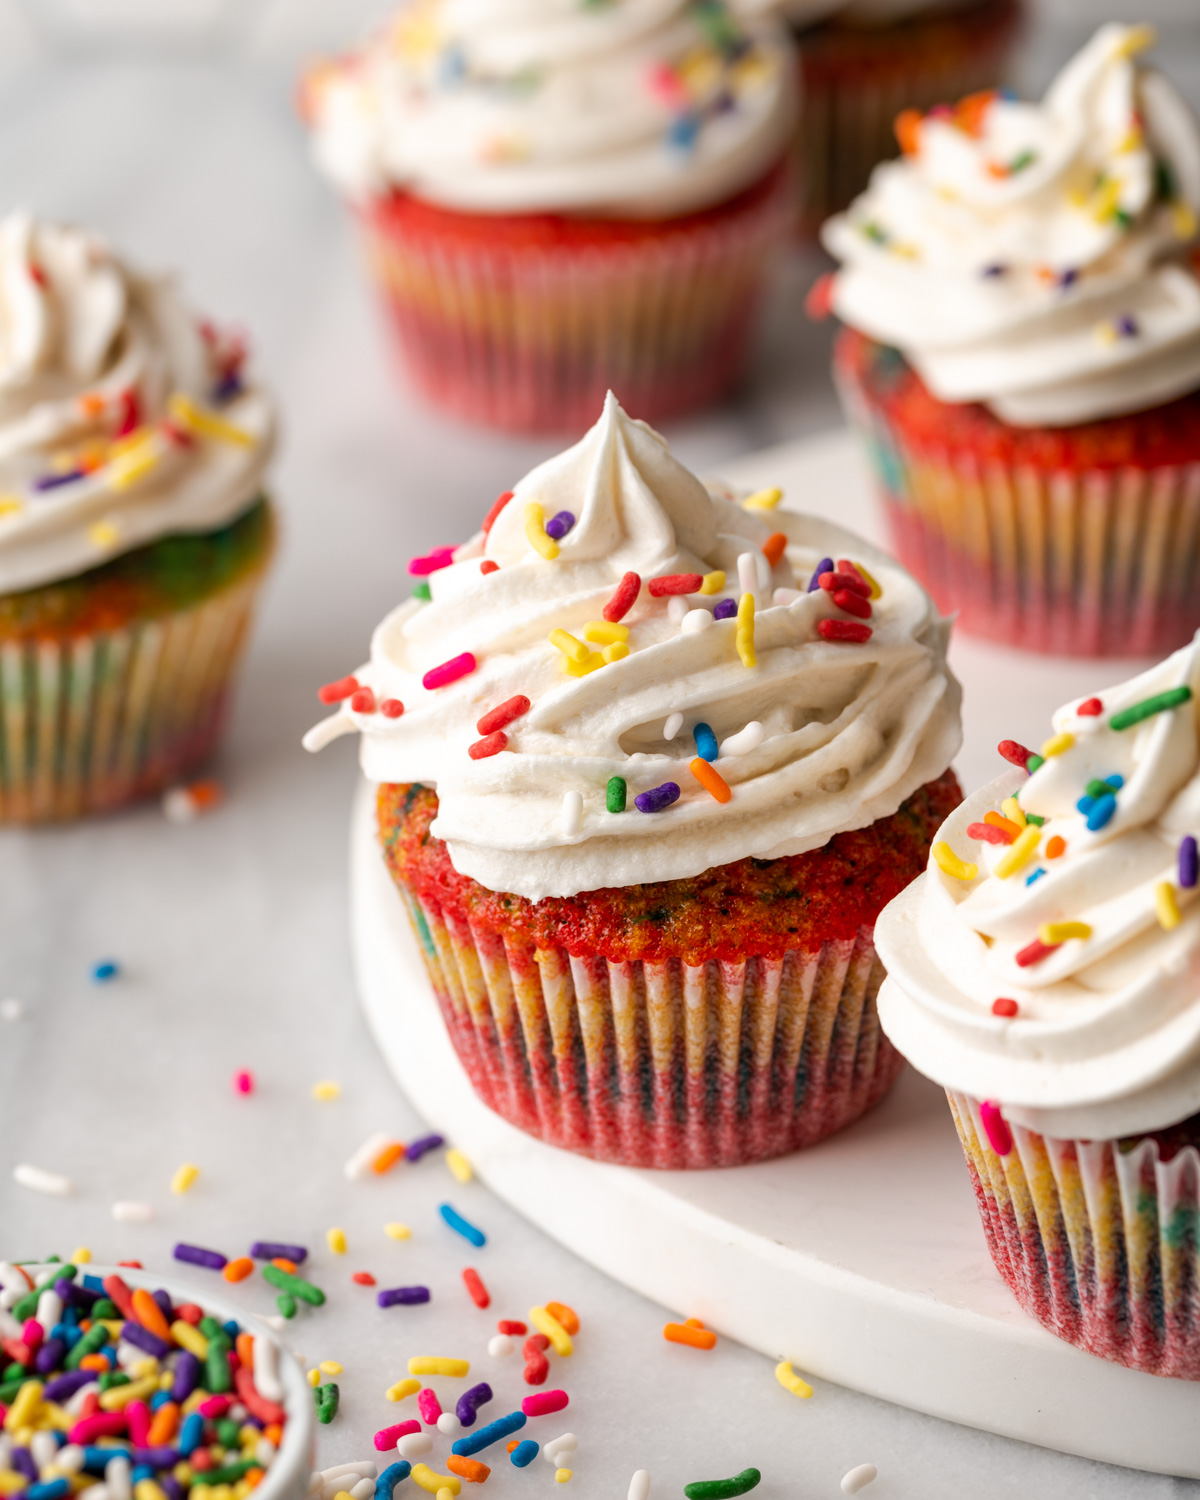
<point x="232" y="932"/>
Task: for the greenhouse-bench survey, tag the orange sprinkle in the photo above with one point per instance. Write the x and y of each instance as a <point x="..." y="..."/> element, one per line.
<point x="245" y="1349"/>
<point x="1005" y="825"/>
<point x="94" y="1362"/>
<point x="997" y="170"/>
<point x="469" y="1469"/>
<point x="514" y="1445"/>
<point x="1056" y="847"/>
<point x="236" y="1270"/>
<point x="773" y="547"/>
<point x="273" y="1432"/>
<point x="149" y="1314"/>
<point x="686" y="1333"/>
<point x="163" y="1426"/>
<point x="281" y="1263"/>
<point x="907" y="128"/>
<point x="567" y="1316"/>
<point x="969" y="113"/>
<point x="205" y="794"/>
<point x="388" y="1157"/>
<point x="253" y="1476"/>
<point x="91" y="403"/>
<point x="712" y="781"/>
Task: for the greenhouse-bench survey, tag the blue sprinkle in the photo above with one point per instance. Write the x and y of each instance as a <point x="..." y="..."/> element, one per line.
<point x="1037" y="875"/>
<point x="232" y="1328"/>
<point x="160" y="1398"/>
<point x="1084" y="805"/>
<point x="824" y="566"/>
<point x="683" y="131"/>
<point x="106" y="969"/>
<point x="55" y="1489"/>
<point x="725" y="610"/>
<point x="524" y="1453"/>
<point x="191" y="1434"/>
<point x="502" y="1427"/>
<point x="93" y="1283"/>
<point x="461" y="1226"/>
<point x="558" y="526"/>
<point x="1115" y="781"/>
<point x="1101" y="811"/>
<point x="706" y="742"/>
<point x="657" y="798"/>
<point x="138" y="1473"/>
<point x="390" y="1478"/>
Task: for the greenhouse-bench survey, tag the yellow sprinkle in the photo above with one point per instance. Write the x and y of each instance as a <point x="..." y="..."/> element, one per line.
<point x="335" y="1238"/>
<point x="459" y="1165"/>
<point x="144" y="1369"/>
<point x="128" y="467"/>
<point x="548" y="1324"/>
<point x="1131" y="142"/>
<point x="314" y="1377"/>
<point x="423" y="1475"/>
<point x="713" y="582"/>
<point x="617" y="651"/>
<point x="744" y="634"/>
<point x="430" y="1364"/>
<point x="1011" y="809"/>
<point x="119" y="1397"/>
<point x="25" y="1403"/>
<point x="195" y="419"/>
<point x="12" y="1484"/>
<point x="189" y="1338"/>
<point x="571" y="648"/>
<point x="444" y="1494"/>
<point x="326" y="1090"/>
<point x="535" y="532"/>
<point x="184" y="1177"/>
<point x="10" y="505"/>
<point x="342" y="1495"/>
<point x="330" y="1367"/>
<point x="876" y="591"/>
<point x="397" y="1231"/>
<point x="402" y="1389"/>
<point x="1137" y="39"/>
<point x="763" y="499"/>
<point x="562" y="1475"/>
<point x="582" y="668"/>
<point x="603" y="633"/>
<point x="1056" y="744"/>
<point x="103" y="534"/>
<point x="1053" y="933"/>
<point x="1183" y="221"/>
<point x="1019" y="852"/>
<point x="1166" y="905"/>
<point x="81" y="1255"/>
<point x="790" y="1381"/>
<point x="183" y="1472"/>
<point x="1105" y="333"/>
<point x="947" y="860"/>
<point x="146" y="1489"/>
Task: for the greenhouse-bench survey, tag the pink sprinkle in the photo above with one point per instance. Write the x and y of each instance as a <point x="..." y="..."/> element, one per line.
<point x="449" y="671"/>
<point x="102" y="1424"/>
<point x="243" y="1081"/>
<point x="137" y="1420"/>
<point x="995" y="1127"/>
<point x="429" y="1406"/>
<point x="388" y="1437"/>
<point x="215" y="1407"/>
<point x="665" y="84"/>
<point x="544" y="1403"/>
<point x="440" y="557"/>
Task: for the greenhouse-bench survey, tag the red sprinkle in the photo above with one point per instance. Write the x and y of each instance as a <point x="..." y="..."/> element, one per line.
<point x="1004" y="1007"/>
<point x="773" y="547"/>
<point x="363" y="1278"/>
<point x="503" y="714"/>
<point x="334" y="692"/>
<point x="1013" y="752"/>
<point x="491" y="744"/>
<point x="675" y="583"/>
<point x="175" y="434"/>
<point x="490" y="519"/>
<point x="843" y="630"/>
<point x="818" y="303"/>
<point x="480" y="1295"/>
<point x="132" y="1265"/>
<point x="537" y="1366"/>
<point x="201" y="1460"/>
<point x="622" y="600"/>
<point x="989" y="833"/>
<point x="1090" y="708"/>
<point x="363" y="702"/>
<point x="190" y="1313"/>
<point x="391" y="708"/>
<point x="514" y="1329"/>
<point x="130" y="412"/>
<point x="831" y="582"/>
<point x="846" y="566"/>
<point x="488" y="566"/>
<point x="1035" y="952"/>
<point x="853" y="603"/>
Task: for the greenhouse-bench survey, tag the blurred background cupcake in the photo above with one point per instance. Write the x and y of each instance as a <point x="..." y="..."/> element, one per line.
<point x="644" y="791"/>
<point x="1022" y="355"/>
<point x="556" y="206"/>
<point x="1046" y="972"/>
<point x="133" y="530"/>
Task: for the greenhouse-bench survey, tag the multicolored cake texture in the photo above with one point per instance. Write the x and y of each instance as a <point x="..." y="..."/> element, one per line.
<point x="1046" y="971"/>
<point x="643" y="821"/>
<point x="555" y="207"/>
<point x="1022" y="355"/>
<point x="133" y="531"/>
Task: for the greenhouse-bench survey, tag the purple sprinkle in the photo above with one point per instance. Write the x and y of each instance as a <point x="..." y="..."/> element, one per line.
<point x="21" y="1460"/>
<point x="725" y="610"/>
<point x="142" y="1338"/>
<point x="1127" y="326"/>
<point x="157" y="1458"/>
<point x="170" y="1486"/>
<point x="417" y="1149"/>
<point x="74" y="1295"/>
<point x="187" y="1376"/>
<point x="993" y="271"/>
<point x="53" y="481"/>
<point x="1189" y="862"/>
<point x="558" y="526"/>
<point x="164" y="1304"/>
<point x="65" y="1386"/>
<point x="470" y="1400"/>
<point x="657" y="798"/>
<point x="824" y="566"/>
<point x="1068" y="279"/>
<point x="226" y="389"/>
<point x="402" y="1296"/>
<point x="274" y="1250"/>
<point x="49" y="1356"/>
<point x="196" y="1255"/>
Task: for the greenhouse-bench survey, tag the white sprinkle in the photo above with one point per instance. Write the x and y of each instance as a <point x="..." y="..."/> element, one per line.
<point x="788" y="596"/>
<point x="677" y="608"/>
<point x="42" y="1448"/>
<point x="449" y="1425"/>
<point x="266" y="1369"/>
<point x="274" y="1321"/>
<point x="362" y="1489"/>
<point x="694" y="620"/>
<point x="96" y="1492"/>
<point x="552" y="1450"/>
<point x="126" y="1212"/>
<point x="264" y="1449"/>
<point x="69" y="1460"/>
<point x="179" y="806"/>
<point x="672" y="727"/>
<point x="745" y="740"/>
<point x="747" y="573"/>
<point x="360" y="1164"/>
<point x="11" y="1010"/>
<point x="500" y="1345"/>
<point x="117" y="1477"/>
<point x="49" y="1308"/>
<point x="42" y="1181"/>
<point x="315" y="1482"/>
<point x="9" y="1329"/>
<point x="413" y="1444"/>
<point x="364" y="1468"/>
<point x="572" y="813"/>
<point x="858" y="1479"/>
<point x="328" y="730"/>
<point x="639" y="1485"/>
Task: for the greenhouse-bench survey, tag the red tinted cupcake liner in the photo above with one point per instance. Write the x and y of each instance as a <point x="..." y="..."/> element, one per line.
<point x="526" y="322"/>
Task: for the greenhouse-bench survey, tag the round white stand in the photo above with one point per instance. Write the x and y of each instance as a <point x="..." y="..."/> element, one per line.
<point x="861" y="1260"/>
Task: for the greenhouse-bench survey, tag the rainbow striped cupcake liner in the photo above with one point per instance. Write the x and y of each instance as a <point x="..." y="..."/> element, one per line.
<point x="661" y="1064"/>
<point x="1100" y="1244"/>
<point x="1090" y="562"/>
<point x="527" y="339"/>
<point x="90" y="722"/>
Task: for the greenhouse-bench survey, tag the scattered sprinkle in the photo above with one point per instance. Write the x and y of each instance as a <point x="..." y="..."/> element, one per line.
<point x="402" y="1296"/>
<point x="460" y="1168"/>
<point x="41" y="1181"/>
<point x="558" y="526"/>
<point x="668" y="584"/>
<point x="774" y="547"/>
<point x="1057" y="744"/>
<point x="1005" y="1007"/>
<point x="449" y="671"/>
<point x="949" y="862"/>
<point x="572" y="813"/>
<point x="658" y="798"/>
<point x="1056" y="847"/>
<point x="744" y="635"/>
<point x="325" y="1091"/>
<point x="623" y="598"/>
<point x="183" y="1179"/>
<point x="335" y="1238"/>
<point x="710" y="779"/>
<point x="725" y="609"/>
<point x="1166" y="905"/>
<point x="461" y="1226"/>
<point x="722" y="1489"/>
<point x="493" y="515"/>
<point x="397" y="1231"/>
<point x="105" y="970"/>
<point x="415" y="1150"/>
<point x="503" y="714"/>
<point x="535" y="532"/>
<point x="766" y="499"/>
<point x="614" y="794"/>
<point x="127" y="1211"/>
<point x="546" y="1323"/>
<point x="403" y="1389"/>
<point x="1189" y="863"/>
<point x="693" y="1333"/>
<point x="1019" y="853"/>
<point x="844" y="630"/>
<point x="1016" y="754"/>
<point x="474" y="1283"/>
<point x="858" y="1478"/>
<point x="1158" y="704"/>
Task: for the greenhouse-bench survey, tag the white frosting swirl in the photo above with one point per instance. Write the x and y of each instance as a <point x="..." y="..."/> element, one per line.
<point x="641" y="108"/>
<point x="1036" y="257"/>
<point x="847" y="731"/>
<point x="1106" y="1041"/>
<point x="111" y="433"/>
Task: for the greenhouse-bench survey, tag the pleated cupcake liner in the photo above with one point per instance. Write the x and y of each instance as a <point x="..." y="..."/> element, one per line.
<point x="1101" y="1245"/>
<point x="530" y="339"/>
<point x="854" y="84"/>
<point x="661" y="1064"/>
<point x="93" y="721"/>
<point x="1084" y="562"/>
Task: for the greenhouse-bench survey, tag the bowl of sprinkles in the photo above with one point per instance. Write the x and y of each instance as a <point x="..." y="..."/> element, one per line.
<point x="120" y="1385"/>
<point x="1046" y="971"/>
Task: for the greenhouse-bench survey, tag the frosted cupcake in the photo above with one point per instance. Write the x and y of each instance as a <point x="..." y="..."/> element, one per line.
<point x="559" y="202"/>
<point x="644" y="791"/>
<point x="133" y="531"/>
<point x="1046" y="971"/>
<point x="1023" y="356"/>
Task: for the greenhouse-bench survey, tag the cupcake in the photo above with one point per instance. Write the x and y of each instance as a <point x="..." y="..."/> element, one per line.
<point x="1022" y="355"/>
<point x="650" y="763"/>
<point x="553" y="206"/>
<point x="133" y="530"/>
<point x="1046" y="972"/>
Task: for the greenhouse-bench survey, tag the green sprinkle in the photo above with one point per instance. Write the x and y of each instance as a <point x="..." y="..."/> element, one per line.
<point x="614" y="795"/>
<point x="226" y="1474"/>
<point x="1033" y="763"/>
<point x="1034" y="819"/>
<point x="286" y="1304"/>
<point x="421" y="591"/>
<point x="1148" y="707"/>
<point x="298" y="1287"/>
<point x="215" y="1333"/>
<point x="228" y="1432"/>
<point x="1164" y="181"/>
<point x="1097" y="788"/>
<point x="93" y="1340"/>
<point x="216" y="1369"/>
<point x="9" y="1388"/>
<point x="26" y="1307"/>
<point x="720" y="1489"/>
<point x="104" y="1309"/>
<point x="1025" y="159"/>
<point x="327" y="1397"/>
<point x="111" y="1378"/>
<point x="875" y="233"/>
